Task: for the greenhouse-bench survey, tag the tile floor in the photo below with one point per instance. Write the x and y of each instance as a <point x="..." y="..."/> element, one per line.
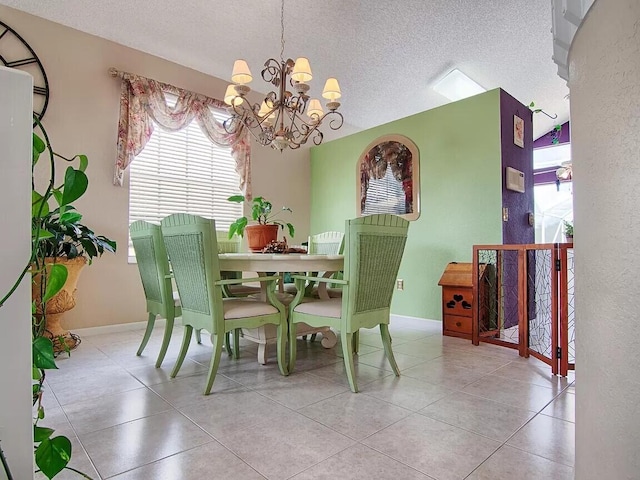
<point x="457" y="412"/>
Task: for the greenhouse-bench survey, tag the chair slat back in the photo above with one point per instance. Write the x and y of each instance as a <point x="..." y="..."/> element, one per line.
<point x="226" y="244"/>
<point x="374" y="248"/>
<point x="191" y="242"/>
<point x="327" y="243"/>
<point x="152" y="260"/>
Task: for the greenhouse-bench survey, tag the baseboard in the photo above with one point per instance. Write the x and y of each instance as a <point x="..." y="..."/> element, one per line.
<point x="117" y="328"/>
<point x="127" y="327"/>
<point x="408" y="321"/>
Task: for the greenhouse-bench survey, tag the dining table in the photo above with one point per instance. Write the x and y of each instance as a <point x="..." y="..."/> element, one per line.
<point x="263" y="263"/>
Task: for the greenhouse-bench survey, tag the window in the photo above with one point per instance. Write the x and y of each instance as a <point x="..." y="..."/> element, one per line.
<point x="553" y="203"/>
<point x="183" y="172"/>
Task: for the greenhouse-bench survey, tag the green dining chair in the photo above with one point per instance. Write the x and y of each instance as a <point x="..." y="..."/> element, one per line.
<point x="232" y="245"/>
<point x="325" y="243"/>
<point x="155" y="274"/>
<point x="192" y="247"/>
<point x="373" y="251"/>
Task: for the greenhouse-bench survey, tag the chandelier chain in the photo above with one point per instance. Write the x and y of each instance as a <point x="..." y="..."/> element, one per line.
<point x="282" y="31"/>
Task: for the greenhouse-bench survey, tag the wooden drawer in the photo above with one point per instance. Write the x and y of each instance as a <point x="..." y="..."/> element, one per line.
<point x="457" y="301"/>
<point x="458" y="324"/>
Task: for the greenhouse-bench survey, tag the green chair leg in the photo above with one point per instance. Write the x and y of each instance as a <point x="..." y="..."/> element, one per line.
<point x="168" y="330"/>
<point x="386" y="341"/>
<point x="236" y="343"/>
<point x="347" y="353"/>
<point x="282" y="343"/>
<point x="227" y="343"/>
<point x="186" y="340"/>
<point x="356" y="341"/>
<point x="147" y="333"/>
<point x="217" y="341"/>
<point x="198" y="336"/>
<point x="292" y="348"/>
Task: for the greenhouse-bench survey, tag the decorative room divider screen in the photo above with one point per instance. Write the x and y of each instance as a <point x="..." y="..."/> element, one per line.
<point x="530" y="304"/>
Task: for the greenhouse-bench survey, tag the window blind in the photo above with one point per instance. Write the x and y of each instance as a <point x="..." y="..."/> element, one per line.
<point x="183" y="172"/>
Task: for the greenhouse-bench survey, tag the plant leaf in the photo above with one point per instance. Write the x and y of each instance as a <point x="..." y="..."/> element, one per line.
<point x="36" y="201"/>
<point x="75" y="184"/>
<point x="236" y="198"/>
<point x="38" y="148"/>
<point x="292" y="230"/>
<point x="56" y="277"/>
<point x="237" y="227"/>
<point x="42" y="234"/>
<point x="41" y="433"/>
<point x="57" y="194"/>
<point x="84" y="162"/>
<point x="42" y="349"/>
<point x="70" y="217"/>
<point x="52" y="455"/>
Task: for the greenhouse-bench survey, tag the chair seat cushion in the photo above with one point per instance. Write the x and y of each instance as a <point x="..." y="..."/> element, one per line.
<point x="324" y="308"/>
<point x="246" y="307"/>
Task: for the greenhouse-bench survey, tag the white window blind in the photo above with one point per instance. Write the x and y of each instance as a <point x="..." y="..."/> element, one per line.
<point x="183" y="172"/>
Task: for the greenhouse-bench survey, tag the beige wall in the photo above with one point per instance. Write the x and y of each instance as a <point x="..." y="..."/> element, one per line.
<point x="604" y="78"/>
<point x="82" y="118"/>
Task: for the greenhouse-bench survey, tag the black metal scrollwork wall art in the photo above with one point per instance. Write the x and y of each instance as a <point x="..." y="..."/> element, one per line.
<point x="15" y="52"/>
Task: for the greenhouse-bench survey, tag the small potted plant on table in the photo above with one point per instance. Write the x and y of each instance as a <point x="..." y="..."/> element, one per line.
<point x="568" y="230"/>
<point x="266" y="230"/>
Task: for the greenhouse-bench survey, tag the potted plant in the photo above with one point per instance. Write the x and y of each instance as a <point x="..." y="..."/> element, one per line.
<point x="266" y="230"/>
<point x="62" y="240"/>
<point x="568" y="230"/>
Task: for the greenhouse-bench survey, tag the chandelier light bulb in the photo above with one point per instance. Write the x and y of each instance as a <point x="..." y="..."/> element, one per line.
<point x="331" y="90"/>
<point x="314" y="111"/>
<point x="264" y="111"/>
<point x="302" y="70"/>
<point x="241" y="73"/>
<point x="232" y="96"/>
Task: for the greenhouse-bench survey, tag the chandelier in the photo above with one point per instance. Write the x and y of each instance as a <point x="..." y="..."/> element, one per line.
<point x="287" y="117"/>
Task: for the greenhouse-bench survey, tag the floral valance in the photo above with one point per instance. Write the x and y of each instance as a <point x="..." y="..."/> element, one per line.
<point x="143" y="103"/>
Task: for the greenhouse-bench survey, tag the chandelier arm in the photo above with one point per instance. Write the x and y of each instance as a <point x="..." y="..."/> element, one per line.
<point x="272" y="71"/>
<point x="334" y="123"/>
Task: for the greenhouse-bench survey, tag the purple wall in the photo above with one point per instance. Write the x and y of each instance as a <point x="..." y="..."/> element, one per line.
<point x="547" y="139"/>
<point x="517" y="229"/>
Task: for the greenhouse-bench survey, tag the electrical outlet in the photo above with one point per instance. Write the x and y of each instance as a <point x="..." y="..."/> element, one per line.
<point x="400" y="284"/>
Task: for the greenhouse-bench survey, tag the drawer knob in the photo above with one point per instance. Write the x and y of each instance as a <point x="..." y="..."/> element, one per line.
<point x="458" y="324"/>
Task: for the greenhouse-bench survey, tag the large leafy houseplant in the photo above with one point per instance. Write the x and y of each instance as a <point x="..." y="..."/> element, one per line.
<point x="56" y="232"/>
<point x="261" y="212"/>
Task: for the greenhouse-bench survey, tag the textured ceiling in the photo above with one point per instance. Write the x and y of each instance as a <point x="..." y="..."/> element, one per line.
<point x="386" y="54"/>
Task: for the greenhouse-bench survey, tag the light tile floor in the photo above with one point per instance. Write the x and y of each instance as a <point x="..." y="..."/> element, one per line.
<point x="457" y="412"/>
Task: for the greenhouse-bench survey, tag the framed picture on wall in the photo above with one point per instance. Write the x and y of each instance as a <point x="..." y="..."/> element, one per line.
<point x="518" y="131"/>
<point x="388" y="178"/>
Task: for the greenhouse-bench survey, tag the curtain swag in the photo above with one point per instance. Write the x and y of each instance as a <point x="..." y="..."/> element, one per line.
<point x="143" y="102"/>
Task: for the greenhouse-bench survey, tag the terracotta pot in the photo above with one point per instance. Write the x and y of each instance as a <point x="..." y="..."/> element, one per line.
<point x="259" y="236"/>
<point x="62" y="302"/>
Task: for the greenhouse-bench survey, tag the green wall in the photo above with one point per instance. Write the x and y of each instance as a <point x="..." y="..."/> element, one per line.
<point x="461" y="192"/>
